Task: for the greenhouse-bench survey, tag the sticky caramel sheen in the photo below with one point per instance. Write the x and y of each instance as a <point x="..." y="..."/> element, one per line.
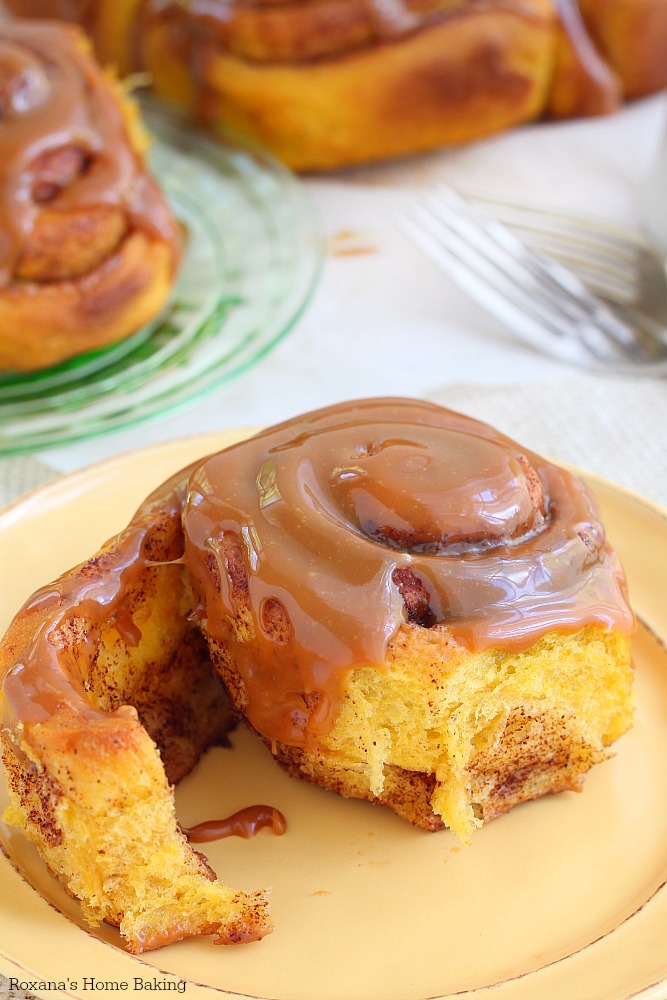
<point x="54" y="102"/>
<point x="329" y="511"/>
<point x="316" y="532"/>
<point x="47" y="675"/>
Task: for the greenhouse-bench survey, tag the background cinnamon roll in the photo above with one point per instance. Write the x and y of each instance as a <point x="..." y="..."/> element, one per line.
<point x="90" y="248"/>
<point x="329" y="83"/>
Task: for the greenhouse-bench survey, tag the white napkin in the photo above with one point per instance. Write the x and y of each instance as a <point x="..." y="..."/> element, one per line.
<point x="20" y="474"/>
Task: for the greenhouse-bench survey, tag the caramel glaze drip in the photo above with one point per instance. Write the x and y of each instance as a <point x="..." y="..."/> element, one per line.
<point x="333" y="530"/>
<point x="245" y="823"/>
<point x="56" y="103"/>
<point x="49" y="674"/>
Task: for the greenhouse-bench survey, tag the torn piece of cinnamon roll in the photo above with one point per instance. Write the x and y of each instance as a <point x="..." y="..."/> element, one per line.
<point x="108" y="698"/>
<point x="90" y="248"/>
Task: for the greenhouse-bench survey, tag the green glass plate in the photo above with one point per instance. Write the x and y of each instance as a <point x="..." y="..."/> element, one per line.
<point x="252" y="259"/>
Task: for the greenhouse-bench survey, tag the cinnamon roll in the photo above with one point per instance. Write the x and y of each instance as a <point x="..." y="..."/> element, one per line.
<point x="410" y="608"/>
<point x="90" y="247"/>
<point x="329" y="83"/>
<point x="405" y="605"/>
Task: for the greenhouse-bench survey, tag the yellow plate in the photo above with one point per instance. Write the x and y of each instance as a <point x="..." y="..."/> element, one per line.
<point x="563" y="899"/>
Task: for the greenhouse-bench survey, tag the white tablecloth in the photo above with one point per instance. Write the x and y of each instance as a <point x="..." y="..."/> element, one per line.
<point x="385" y="321"/>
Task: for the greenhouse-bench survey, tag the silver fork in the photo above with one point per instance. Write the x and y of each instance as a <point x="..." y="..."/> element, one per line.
<point x="532" y="293"/>
<point x="615" y="262"/>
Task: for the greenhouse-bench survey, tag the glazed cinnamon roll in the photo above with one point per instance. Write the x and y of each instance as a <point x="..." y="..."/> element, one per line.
<point x="329" y="83"/>
<point x="404" y="604"/>
<point x="90" y="247"/>
<point x="410" y="608"/>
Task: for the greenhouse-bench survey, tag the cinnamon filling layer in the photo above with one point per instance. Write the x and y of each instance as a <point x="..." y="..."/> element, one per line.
<point x="49" y="675"/>
<point x="293" y="31"/>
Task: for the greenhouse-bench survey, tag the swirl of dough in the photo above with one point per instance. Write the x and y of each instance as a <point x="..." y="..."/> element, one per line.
<point x="312" y="543"/>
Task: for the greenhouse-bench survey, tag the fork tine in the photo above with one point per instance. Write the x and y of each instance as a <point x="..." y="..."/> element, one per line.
<point x="651" y="335"/>
<point x="473" y="247"/>
<point x="604" y="254"/>
<point x="604" y="277"/>
<point x="507" y="301"/>
<point x="610" y="237"/>
<point x="468" y="257"/>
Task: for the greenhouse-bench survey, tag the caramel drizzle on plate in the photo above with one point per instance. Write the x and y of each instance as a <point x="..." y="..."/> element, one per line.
<point x="245" y="823"/>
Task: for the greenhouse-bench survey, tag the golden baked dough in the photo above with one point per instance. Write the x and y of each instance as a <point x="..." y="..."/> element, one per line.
<point x="91" y="248"/>
<point x="330" y="83"/>
<point x="447" y="738"/>
<point x="405" y="605"/>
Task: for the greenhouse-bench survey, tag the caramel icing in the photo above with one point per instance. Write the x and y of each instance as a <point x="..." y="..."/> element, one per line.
<point x="326" y="534"/>
<point x="49" y="674"/>
<point x="55" y="101"/>
<point x="602" y="93"/>
<point x="320" y="527"/>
